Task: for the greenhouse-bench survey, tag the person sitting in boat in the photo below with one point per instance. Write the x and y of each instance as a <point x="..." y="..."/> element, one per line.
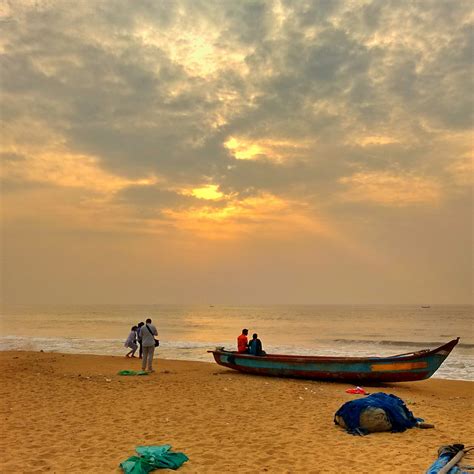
<point x="243" y="342"/>
<point x="255" y="346"/>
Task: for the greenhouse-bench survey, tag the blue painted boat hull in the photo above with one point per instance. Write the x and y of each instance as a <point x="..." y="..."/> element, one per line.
<point x="399" y="368"/>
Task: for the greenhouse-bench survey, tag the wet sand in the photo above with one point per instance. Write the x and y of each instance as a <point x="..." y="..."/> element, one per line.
<point x="73" y="414"/>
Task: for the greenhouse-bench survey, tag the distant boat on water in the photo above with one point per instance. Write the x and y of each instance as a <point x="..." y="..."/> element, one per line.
<point x="426" y="306"/>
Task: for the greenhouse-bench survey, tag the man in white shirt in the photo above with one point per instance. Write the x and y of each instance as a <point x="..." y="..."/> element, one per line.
<point x="148" y="333"/>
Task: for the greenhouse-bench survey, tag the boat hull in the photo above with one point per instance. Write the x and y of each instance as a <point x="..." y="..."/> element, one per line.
<point x="400" y="368"/>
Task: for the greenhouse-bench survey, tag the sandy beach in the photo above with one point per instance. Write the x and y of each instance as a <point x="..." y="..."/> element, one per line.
<point x="73" y="414"/>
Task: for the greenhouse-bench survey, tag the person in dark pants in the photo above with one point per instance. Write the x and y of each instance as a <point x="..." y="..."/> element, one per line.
<point x="139" y="339"/>
<point x="255" y="346"/>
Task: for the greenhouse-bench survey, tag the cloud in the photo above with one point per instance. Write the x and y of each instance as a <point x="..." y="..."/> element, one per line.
<point x="268" y="135"/>
<point x="315" y="92"/>
<point x="390" y="189"/>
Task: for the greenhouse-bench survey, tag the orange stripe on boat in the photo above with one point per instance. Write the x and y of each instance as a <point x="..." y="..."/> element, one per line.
<point x="398" y="366"/>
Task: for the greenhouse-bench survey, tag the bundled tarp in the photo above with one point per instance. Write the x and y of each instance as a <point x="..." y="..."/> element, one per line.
<point x="153" y="457"/>
<point x="376" y="412"/>
<point x="446" y="454"/>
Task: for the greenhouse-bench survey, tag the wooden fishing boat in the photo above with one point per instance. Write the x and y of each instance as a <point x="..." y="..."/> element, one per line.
<point x="407" y="367"/>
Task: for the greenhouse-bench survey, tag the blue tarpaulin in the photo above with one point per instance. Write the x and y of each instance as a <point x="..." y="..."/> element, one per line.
<point x="398" y="414"/>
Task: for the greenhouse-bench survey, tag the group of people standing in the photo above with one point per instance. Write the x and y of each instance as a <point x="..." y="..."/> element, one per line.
<point x="254" y="347"/>
<point x="142" y="336"/>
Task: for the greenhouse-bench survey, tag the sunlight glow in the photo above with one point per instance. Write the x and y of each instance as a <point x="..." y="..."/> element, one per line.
<point x="265" y="214"/>
<point x="210" y="192"/>
<point x="69" y="170"/>
<point x="250" y="208"/>
<point x="278" y="150"/>
<point x="243" y="150"/>
<point x="197" y="50"/>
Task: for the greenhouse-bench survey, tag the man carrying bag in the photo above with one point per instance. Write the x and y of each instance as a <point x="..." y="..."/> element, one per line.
<point x="148" y="333"/>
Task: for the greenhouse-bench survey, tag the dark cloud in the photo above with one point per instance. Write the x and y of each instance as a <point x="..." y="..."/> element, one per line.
<point x="115" y="82"/>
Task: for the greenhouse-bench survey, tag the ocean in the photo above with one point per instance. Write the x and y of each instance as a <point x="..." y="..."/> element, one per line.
<point x="186" y="332"/>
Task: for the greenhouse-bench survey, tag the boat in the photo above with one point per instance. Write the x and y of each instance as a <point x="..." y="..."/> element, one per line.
<point x="426" y="306"/>
<point x="406" y="367"/>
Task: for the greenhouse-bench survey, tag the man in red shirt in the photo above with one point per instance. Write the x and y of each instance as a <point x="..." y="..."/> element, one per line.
<point x="243" y="342"/>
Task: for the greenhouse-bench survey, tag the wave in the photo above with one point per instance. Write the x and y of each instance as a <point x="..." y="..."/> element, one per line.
<point x="96" y="346"/>
<point x="75" y="341"/>
<point x="458" y="366"/>
<point x="426" y="344"/>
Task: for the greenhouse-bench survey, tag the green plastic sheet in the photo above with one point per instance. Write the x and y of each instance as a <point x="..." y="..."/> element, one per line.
<point x="132" y="372"/>
<point x="153" y="457"/>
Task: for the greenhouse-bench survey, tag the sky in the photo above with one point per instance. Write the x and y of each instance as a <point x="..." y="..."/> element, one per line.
<point x="237" y="152"/>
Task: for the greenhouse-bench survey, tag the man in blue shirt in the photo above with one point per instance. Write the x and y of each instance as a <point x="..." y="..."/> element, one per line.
<point x="255" y="346"/>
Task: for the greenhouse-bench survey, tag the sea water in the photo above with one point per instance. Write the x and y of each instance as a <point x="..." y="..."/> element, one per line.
<point x="186" y="332"/>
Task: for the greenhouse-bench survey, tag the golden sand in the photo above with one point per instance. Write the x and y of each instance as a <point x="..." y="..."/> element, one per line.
<point x="74" y="414"/>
